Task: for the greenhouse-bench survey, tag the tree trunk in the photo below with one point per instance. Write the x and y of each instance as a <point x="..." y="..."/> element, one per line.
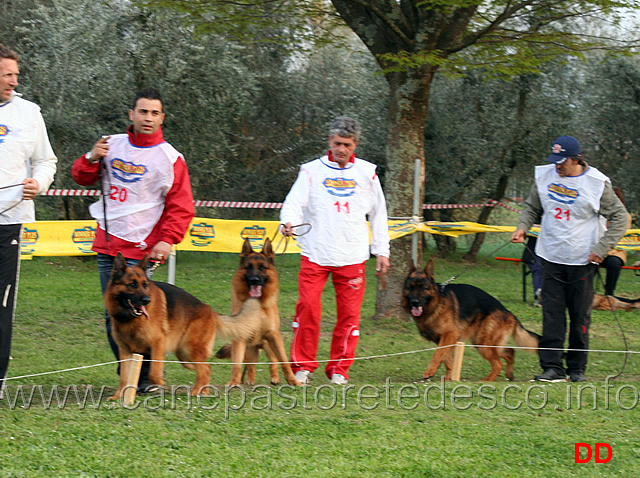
<point x="409" y="99"/>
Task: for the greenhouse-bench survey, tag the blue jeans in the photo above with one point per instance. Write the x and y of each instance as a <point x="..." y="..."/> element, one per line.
<point x="105" y="265"/>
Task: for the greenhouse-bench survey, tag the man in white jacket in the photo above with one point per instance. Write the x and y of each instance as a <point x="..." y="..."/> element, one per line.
<point x="334" y="194"/>
<point x="27" y="166"/>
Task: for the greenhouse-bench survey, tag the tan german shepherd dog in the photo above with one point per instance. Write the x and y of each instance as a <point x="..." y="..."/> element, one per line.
<point x="256" y="277"/>
<point x="448" y="314"/>
<point x="611" y="302"/>
<point x="158" y="318"/>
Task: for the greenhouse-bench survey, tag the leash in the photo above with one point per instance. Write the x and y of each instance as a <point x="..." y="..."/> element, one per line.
<point x="152" y="269"/>
<point x="103" y="175"/>
<point x="451" y="279"/>
<point x="16" y="204"/>
<point x="303" y="232"/>
<point x="596" y="273"/>
<point x="624" y="336"/>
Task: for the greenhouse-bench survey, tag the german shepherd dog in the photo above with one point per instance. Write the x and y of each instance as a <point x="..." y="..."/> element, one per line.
<point x="158" y="318"/>
<point x="447" y="314"/>
<point x="256" y="277"/>
<point x="610" y="302"/>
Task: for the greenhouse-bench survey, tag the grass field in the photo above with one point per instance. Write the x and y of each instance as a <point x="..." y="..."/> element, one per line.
<point x="385" y="423"/>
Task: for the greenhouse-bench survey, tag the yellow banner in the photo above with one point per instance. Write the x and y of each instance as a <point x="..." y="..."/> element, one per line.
<point x="75" y="238"/>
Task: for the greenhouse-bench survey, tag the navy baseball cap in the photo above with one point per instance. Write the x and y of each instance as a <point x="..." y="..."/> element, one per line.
<point x="563" y="148"/>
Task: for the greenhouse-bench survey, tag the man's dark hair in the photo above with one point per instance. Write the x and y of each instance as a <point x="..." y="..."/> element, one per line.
<point x="149" y="94"/>
<point x="6" y="52"/>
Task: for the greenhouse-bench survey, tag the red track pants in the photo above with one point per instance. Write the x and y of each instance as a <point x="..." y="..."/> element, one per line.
<point x="349" y="283"/>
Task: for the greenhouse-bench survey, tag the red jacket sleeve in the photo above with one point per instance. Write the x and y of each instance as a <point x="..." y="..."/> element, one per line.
<point x="84" y="172"/>
<point x="178" y="210"/>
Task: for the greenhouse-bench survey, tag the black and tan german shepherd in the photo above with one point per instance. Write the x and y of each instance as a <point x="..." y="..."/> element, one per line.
<point x="158" y="318"/>
<point x="447" y="314"/>
<point x="256" y="277"/>
<point x="611" y="302"/>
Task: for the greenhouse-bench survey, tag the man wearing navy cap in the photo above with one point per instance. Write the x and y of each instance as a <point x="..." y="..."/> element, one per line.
<point x="571" y="196"/>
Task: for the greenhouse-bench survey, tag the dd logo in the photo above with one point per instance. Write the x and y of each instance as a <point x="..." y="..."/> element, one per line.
<point x="598" y="458"/>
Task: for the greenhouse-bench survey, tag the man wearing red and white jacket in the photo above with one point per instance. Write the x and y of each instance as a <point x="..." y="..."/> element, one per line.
<point x="149" y="203"/>
<point x="335" y="194"/>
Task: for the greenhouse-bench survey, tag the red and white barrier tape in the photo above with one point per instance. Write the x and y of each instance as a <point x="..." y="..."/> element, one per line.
<point x="454" y="206"/>
<point x="263" y="205"/>
<point x="239" y="204"/>
<point x="72" y="192"/>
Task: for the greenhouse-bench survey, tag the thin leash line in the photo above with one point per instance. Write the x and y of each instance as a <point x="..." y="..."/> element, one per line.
<point x="286" y="238"/>
<point x="369" y="357"/>
<point x="11" y="186"/>
<point x="624" y="336"/>
<point x="16" y="204"/>
<point x="597" y="275"/>
<point x="451" y="279"/>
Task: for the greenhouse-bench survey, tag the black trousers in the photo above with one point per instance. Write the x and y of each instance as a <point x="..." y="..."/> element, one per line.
<point x="566" y="288"/>
<point x="613" y="265"/>
<point x="10" y="235"/>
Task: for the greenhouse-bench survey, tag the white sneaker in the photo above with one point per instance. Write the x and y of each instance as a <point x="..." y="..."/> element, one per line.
<point x="338" y="379"/>
<point x="304" y="377"/>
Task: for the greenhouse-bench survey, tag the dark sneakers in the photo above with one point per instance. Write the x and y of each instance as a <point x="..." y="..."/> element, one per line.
<point x="552" y="375"/>
<point x="147" y="387"/>
<point x="577" y="376"/>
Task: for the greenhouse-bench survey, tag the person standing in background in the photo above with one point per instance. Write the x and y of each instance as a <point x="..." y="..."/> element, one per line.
<point x="27" y="167"/>
<point x="616" y="258"/>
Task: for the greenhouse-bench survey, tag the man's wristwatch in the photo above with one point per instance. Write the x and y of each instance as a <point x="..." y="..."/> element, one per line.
<point x="88" y="156"/>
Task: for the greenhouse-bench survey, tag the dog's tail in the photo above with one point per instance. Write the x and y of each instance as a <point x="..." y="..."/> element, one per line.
<point x="245" y="324"/>
<point x="633" y="303"/>
<point x="224" y="352"/>
<point x="525" y="338"/>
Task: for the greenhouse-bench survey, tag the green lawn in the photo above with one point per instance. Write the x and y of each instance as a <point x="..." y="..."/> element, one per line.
<point x="385" y="423"/>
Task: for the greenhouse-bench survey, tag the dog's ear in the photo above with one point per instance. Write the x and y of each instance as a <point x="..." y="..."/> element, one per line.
<point x="246" y="248"/>
<point x="267" y="250"/>
<point x="429" y="270"/>
<point x="144" y="262"/>
<point x="412" y="267"/>
<point x="119" y="266"/>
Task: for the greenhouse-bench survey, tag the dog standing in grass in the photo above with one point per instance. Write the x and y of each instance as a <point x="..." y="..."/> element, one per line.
<point x="158" y="318"/>
<point x="256" y="277"/>
<point x="447" y="314"/>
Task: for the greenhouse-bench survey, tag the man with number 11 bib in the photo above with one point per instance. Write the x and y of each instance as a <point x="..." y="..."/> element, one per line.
<point x="335" y="194"/>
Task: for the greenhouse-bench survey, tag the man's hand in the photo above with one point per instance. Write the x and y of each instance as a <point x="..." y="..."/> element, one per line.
<point x="31" y="187"/>
<point x="160" y="251"/>
<point x="382" y="265"/>
<point x="287" y="229"/>
<point x="518" y="235"/>
<point x="99" y="150"/>
<point x="595" y="259"/>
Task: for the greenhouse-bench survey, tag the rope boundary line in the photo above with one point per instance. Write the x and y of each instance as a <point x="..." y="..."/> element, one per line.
<point x="370" y="357"/>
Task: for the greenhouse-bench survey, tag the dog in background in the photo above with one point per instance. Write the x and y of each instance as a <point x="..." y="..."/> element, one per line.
<point x="256" y="277"/>
<point x="448" y="314"/>
<point x="158" y="318"/>
<point x="610" y="302"/>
